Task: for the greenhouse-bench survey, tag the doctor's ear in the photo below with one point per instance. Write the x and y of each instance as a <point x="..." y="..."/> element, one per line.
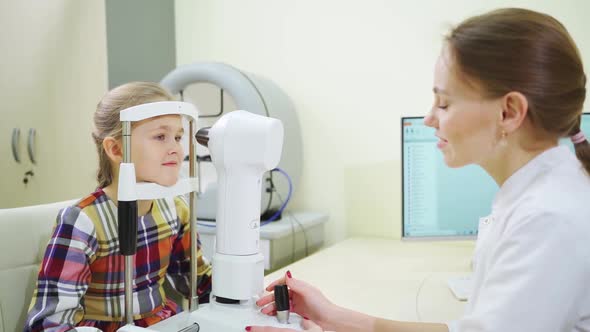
<point x="113" y="149"/>
<point x="515" y="107"/>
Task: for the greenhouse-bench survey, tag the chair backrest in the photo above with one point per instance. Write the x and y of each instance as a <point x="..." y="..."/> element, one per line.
<point x="24" y="233"/>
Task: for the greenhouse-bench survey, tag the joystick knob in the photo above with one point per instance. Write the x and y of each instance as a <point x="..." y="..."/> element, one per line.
<point x="282" y="303"/>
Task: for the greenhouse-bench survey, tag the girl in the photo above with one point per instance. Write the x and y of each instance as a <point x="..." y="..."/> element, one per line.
<point x="81" y="278"/>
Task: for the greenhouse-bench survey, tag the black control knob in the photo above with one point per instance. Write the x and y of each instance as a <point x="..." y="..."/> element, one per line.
<point x="282" y="303"/>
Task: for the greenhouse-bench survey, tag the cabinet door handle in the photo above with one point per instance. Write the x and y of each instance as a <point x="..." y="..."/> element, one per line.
<point x="31" y="145"/>
<point x="16" y="144"/>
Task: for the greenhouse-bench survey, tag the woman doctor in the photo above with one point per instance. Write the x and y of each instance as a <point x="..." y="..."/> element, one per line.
<point x="507" y="85"/>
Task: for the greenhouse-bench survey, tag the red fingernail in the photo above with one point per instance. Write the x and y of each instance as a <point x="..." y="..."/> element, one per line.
<point x="289" y="274"/>
<point x="248" y="328"/>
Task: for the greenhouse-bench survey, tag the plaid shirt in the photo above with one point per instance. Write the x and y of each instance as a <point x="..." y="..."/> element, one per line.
<point x="81" y="278"/>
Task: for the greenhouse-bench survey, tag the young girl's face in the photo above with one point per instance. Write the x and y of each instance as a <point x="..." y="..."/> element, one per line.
<point x="156" y="150"/>
<point x="466" y="123"/>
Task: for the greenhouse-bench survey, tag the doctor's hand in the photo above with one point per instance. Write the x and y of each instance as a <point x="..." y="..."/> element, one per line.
<point x="306" y="324"/>
<point x="306" y="301"/>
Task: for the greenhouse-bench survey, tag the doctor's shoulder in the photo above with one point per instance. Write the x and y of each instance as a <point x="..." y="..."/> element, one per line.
<point x="562" y="191"/>
<point x="557" y="198"/>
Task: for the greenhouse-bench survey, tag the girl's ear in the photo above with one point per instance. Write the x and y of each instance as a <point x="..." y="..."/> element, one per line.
<point x="113" y="149"/>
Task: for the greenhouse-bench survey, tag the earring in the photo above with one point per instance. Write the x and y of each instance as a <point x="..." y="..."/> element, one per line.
<point x="503" y="140"/>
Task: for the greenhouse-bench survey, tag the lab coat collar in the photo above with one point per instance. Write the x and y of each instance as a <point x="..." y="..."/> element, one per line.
<point x="518" y="182"/>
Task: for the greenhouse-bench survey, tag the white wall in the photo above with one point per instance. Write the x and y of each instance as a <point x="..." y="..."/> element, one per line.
<point x="53" y="74"/>
<point x="352" y="69"/>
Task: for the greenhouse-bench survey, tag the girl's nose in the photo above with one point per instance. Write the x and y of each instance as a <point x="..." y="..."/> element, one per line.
<point x="176" y="149"/>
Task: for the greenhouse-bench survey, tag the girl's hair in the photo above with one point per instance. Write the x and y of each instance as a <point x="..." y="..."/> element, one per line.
<point x="107" y="123"/>
<point x="521" y="50"/>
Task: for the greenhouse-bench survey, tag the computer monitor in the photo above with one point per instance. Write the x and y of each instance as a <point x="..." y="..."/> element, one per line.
<point x="439" y="202"/>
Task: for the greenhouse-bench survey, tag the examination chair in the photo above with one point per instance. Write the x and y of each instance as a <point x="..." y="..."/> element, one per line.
<point x="24" y="233"/>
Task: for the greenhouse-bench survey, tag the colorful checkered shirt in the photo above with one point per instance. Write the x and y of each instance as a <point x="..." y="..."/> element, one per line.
<point x="81" y="278"/>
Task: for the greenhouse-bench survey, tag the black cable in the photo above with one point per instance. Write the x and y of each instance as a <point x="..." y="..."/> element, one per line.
<point x="304" y="232"/>
<point x="298" y="223"/>
<point x="272" y="188"/>
<point x="292" y="240"/>
<point x="266" y="214"/>
<point x="220" y="107"/>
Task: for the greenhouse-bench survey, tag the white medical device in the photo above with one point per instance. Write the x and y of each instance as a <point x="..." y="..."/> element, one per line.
<point x="243" y="147"/>
<point x="256" y="95"/>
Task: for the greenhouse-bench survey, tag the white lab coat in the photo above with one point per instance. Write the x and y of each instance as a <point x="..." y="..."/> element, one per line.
<point x="532" y="257"/>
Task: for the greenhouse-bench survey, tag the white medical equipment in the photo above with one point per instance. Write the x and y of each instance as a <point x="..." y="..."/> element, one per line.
<point x="243" y="147"/>
<point x="256" y="95"/>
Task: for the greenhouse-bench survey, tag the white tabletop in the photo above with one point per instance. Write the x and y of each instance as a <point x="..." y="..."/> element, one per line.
<point x="388" y="278"/>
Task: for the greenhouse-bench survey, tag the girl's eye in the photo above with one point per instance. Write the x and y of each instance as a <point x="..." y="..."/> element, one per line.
<point x="178" y="138"/>
<point x="443" y="107"/>
<point x="160" y="137"/>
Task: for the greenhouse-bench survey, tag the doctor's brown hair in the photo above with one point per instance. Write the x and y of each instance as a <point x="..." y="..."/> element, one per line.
<point x="521" y="50"/>
<point x="107" y="123"/>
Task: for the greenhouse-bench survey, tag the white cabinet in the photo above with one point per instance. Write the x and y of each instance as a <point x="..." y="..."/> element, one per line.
<point x="54" y="71"/>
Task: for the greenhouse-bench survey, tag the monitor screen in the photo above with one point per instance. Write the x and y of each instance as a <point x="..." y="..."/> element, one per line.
<point x="438" y="201"/>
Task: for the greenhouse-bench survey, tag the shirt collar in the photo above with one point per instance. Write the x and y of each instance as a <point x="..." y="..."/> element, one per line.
<point x="521" y="180"/>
